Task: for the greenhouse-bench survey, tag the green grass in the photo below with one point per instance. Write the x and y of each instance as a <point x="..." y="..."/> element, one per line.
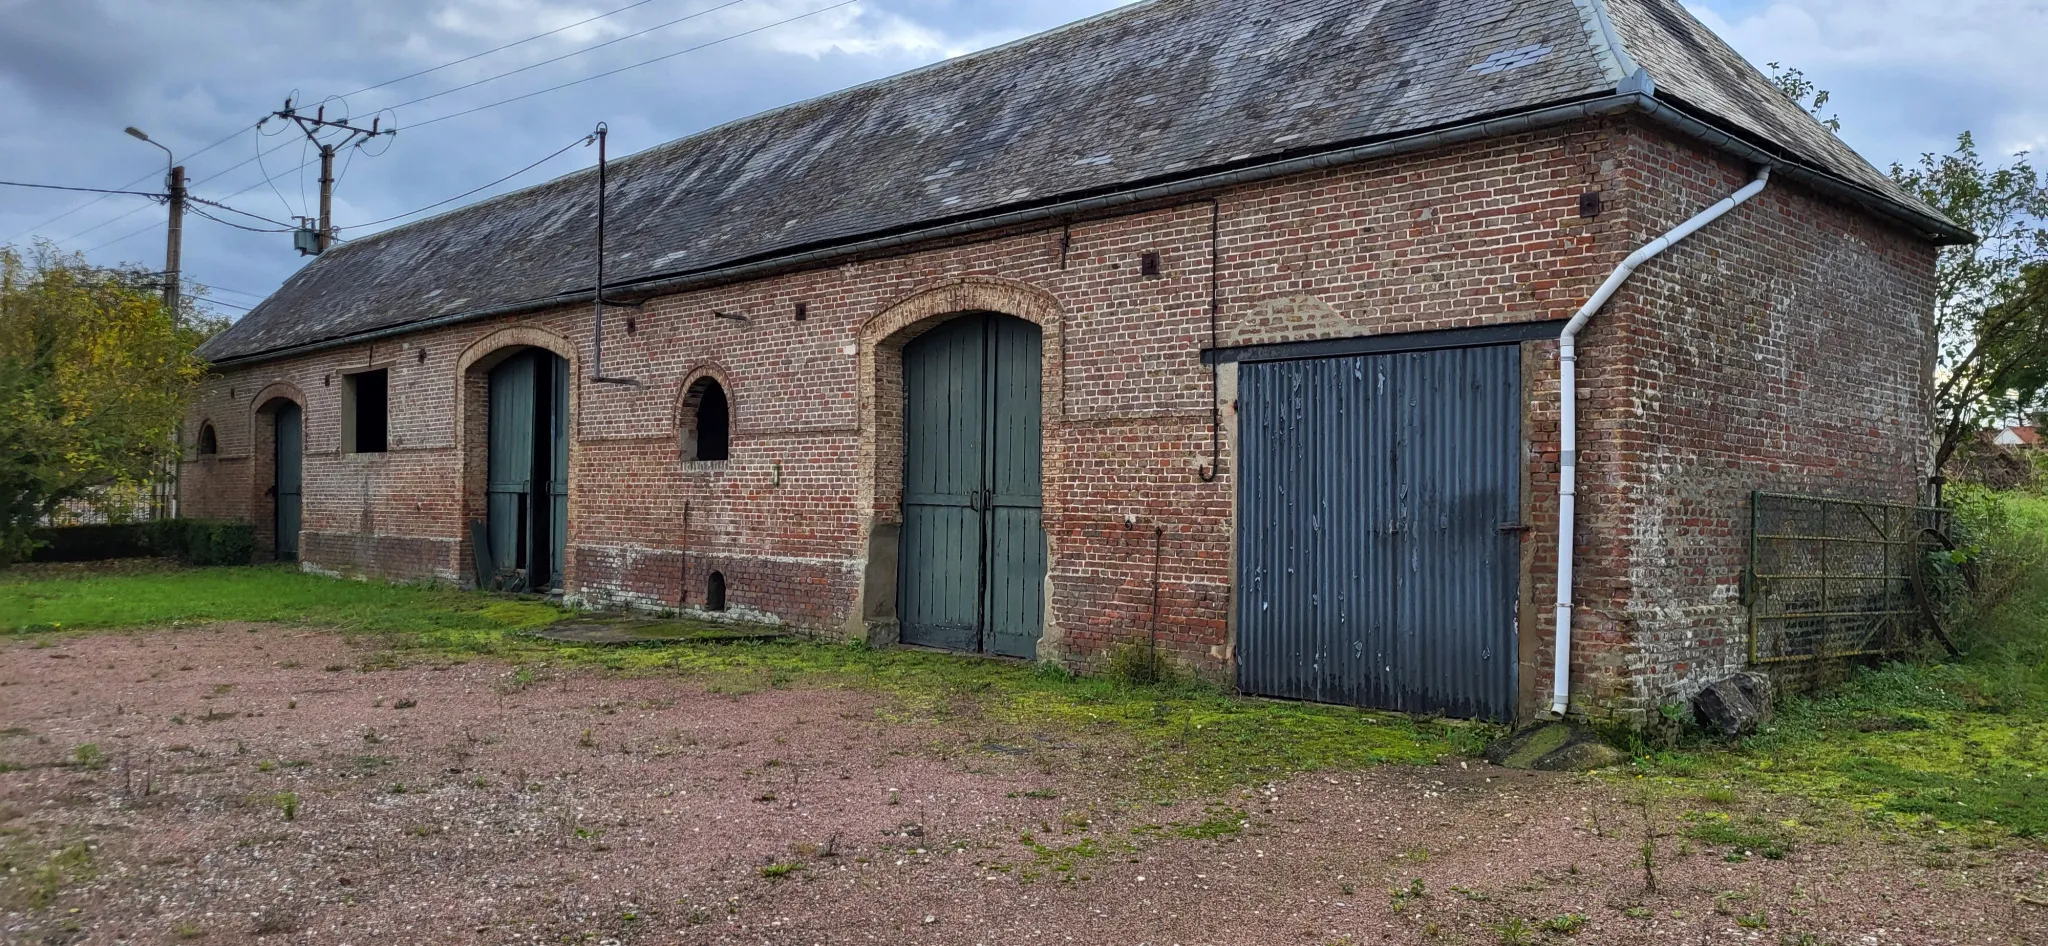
<point x="1961" y="743"/>
<point x="1175" y="737"/>
<point x="272" y="594"/>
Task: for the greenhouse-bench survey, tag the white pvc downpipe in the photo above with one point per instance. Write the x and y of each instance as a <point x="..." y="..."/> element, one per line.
<point x="1568" y="422"/>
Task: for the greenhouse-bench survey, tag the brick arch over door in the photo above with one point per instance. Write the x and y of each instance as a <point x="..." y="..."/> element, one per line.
<point x="472" y="426"/>
<point x="262" y="441"/>
<point x="683" y="421"/>
<point x="880" y="495"/>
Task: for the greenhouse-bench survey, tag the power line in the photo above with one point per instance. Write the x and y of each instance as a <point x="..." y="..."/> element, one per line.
<point x="87" y="190"/>
<point x="153" y="225"/>
<point x="585" y="140"/>
<point x="644" y="62"/>
<point x="238" y="210"/>
<point x="470" y="111"/>
<point x="569" y="55"/>
<point x="413" y="75"/>
<point x="231" y="305"/>
<point x="239" y="292"/>
<point x="132" y="183"/>
<point x="305" y="164"/>
<point x="107" y="222"/>
<point x="238" y="226"/>
<point x="499" y="49"/>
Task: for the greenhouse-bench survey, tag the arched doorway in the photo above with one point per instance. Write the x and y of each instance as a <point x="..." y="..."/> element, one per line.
<point x="972" y="558"/>
<point x="526" y="527"/>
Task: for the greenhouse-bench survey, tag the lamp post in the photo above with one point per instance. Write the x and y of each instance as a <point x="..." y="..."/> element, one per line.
<point x="174" y="182"/>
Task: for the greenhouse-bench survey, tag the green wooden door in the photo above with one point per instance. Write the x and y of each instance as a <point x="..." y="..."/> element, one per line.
<point x="972" y="563"/>
<point x="1015" y="597"/>
<point x="510" y="468"/>
<point x="289" y="488"/>
<point x="558" y="471"/>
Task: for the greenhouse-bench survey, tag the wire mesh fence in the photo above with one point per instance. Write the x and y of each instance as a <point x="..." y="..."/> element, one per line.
<point x="1833" y="578"/>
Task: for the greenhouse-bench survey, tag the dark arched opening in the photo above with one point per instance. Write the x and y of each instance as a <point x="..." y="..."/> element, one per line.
<point x="209" y="442"/>
<point x="707" y="422"/>
<point x="714" y="592"/>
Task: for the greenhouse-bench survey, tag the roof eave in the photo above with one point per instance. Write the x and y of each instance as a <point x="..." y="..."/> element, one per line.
<point x="1934" y="229"/>
<point x="1677" y="117"/>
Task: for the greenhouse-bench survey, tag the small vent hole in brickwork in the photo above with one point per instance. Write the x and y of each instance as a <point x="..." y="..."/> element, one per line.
<point x="1148" y="266"/>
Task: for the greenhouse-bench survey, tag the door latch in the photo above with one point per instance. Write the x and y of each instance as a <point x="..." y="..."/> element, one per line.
<point x="1507" y="527"/>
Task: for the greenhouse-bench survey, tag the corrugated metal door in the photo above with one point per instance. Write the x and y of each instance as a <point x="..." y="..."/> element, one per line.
<point x="972" y="561"/>
<point x="290" y="486"/>
<point x="510" y="463"/>
<point x="1378" y="552"/>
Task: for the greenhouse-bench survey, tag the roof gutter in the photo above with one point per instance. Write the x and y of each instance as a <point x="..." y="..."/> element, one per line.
<point x="1638" y="100"/>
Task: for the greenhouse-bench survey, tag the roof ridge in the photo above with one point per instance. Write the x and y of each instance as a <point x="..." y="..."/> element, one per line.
<point x="1608" y="48"/>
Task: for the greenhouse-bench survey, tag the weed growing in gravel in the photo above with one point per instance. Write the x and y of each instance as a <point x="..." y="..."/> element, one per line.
<point x="1516" y="932"/>
<point x="1566" y="923"/>
<point x="89" y="756"/>
<point x="1718" y="830"/>
<point x="287" y="804"/>
<point x="31" y="876"/>
<point x="1401" y="898"/>
<point x="779" y="871"/>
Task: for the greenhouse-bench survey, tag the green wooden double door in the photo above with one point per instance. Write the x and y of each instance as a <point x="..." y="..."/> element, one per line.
<point x="528" y="493"/>
<point x="971" y="568"/>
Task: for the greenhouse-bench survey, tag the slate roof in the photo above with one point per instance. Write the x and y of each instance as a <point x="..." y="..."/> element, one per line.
<point x="1146" y="93"/>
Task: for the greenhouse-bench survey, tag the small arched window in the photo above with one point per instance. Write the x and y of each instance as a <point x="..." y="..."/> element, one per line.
<point x="714" y="592"/>
<point x="209" y="442"/>
<point x="707" y="422"/>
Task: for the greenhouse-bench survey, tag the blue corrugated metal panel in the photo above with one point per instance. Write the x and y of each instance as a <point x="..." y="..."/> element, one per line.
<point x="1373" y="569"/>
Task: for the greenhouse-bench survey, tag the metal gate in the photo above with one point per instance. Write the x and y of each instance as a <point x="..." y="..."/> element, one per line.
<point x="289" y="489"/>
<point x="972" y="562"/>
<point x="1832" y="578"/>
<point x="1379" y="536"/>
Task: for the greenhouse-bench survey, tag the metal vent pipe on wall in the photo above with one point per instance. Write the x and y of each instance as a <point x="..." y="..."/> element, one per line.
<point x="1568" y="421"/>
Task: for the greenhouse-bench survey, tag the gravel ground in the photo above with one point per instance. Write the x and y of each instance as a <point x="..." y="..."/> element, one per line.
<point x="475" y="803"/>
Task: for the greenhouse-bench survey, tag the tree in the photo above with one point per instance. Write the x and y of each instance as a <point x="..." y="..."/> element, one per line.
<point x="1991" y="297"/>
<point x="95" y="374"/>
<point x="1794" y="85"/>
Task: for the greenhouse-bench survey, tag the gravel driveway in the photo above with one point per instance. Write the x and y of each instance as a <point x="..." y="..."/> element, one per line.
<point x="242" y="784"/>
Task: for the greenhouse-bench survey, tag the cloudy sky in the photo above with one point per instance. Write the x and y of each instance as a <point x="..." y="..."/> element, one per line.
<point x="197" y="74"/>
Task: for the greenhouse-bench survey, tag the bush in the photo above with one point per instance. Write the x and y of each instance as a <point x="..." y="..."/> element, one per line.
<point x="203" y="542"/>
<point x="2005" y="535"/>
<point x="93" y="543"/>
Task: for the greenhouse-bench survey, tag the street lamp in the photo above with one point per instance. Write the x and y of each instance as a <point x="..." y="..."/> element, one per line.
<point x="174" y="183"/>
<point x="169" y="159"/>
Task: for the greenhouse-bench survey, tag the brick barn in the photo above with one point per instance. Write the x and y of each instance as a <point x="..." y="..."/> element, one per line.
<point x="1226" y="329"/>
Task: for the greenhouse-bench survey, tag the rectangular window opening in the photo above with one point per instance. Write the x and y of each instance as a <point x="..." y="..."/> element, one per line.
<point x="366" y="411"/>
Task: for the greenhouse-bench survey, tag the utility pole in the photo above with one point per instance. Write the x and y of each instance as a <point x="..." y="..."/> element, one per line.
<point x="174" y="241"/>
<point x="174" y="183"/>
<point x="352" y="136"/>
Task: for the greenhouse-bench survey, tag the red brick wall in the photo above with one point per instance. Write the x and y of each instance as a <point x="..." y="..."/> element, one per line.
<point x="1789" y="347"/>
<point x="1478" y="235"/>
